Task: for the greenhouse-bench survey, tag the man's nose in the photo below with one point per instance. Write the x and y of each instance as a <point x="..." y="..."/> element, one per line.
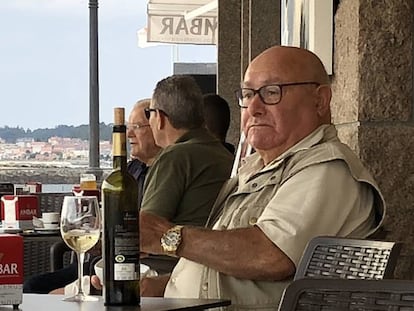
<point x="256" y="105"/>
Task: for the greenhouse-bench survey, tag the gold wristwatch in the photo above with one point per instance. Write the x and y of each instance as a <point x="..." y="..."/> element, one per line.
<point x="171" y="240"/>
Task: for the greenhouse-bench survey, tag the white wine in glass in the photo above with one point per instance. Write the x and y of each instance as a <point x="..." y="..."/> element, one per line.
<point x="80" y="227"/>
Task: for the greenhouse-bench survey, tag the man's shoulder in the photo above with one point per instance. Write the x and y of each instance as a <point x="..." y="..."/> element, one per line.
<point x="326" y="151"/>
<point x="174" y="153"/>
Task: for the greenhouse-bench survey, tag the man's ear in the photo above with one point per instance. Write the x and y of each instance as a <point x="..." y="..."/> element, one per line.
<point x="161" y="120"/>
<point x="324" y="94"/>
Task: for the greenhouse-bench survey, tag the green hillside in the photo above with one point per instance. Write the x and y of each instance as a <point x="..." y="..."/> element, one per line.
<point x="11" y="134"/>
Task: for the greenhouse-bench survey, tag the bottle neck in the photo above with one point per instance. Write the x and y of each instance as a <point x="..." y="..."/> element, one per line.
<point x="119" y="152"/>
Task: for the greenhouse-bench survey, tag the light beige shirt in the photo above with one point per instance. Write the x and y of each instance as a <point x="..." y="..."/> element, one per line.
<point x="317" y="187"/>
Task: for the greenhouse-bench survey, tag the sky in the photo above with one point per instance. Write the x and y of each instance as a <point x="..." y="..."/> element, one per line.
<point x="44" y="60"/>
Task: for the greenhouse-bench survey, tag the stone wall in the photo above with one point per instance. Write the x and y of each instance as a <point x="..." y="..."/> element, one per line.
<point x="373" y="104"/>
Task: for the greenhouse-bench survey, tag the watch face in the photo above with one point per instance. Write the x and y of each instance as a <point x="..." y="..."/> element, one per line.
<point x="171" y="240"/>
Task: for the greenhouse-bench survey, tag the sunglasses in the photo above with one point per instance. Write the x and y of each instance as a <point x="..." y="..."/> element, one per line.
<point x="148" y="111"/>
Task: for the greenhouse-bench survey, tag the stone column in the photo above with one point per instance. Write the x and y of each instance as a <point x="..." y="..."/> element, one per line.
<point x="373" y="104"/>
<point x="265" y="19"/>
<point x="246" y="28"/>
<point x="229" y="59"/>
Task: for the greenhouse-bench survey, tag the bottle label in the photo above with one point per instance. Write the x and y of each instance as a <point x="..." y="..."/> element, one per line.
<point x="126" y="261"/>
<point x="125" y="271"/>
<point x="118" y="144"/>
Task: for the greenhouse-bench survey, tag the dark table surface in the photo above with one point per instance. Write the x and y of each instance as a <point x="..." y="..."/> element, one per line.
<point x="54" y="302"/>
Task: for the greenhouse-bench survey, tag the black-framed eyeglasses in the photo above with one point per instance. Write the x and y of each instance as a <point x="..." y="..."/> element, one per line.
<point x="148" y="111"/>
<point x="136" y="126"/>
<point x="269" y="94"/>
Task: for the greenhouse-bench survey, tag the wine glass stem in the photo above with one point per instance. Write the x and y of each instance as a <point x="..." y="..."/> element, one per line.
<point x="81" y="258"/>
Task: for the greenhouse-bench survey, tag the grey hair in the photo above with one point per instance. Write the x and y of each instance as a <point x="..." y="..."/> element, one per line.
<point x="142" y="103"/>
<point x="180" y="98"/>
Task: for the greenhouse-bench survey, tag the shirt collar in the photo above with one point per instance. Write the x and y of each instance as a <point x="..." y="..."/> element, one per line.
<point x="253" y="164"/>
<point x="196" y="135"/>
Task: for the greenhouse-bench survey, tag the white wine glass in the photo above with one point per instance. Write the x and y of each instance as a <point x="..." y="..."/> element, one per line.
<point x="80" y="227"/>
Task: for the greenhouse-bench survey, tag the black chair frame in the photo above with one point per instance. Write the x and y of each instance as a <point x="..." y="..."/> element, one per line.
<point x="345" y="294"/>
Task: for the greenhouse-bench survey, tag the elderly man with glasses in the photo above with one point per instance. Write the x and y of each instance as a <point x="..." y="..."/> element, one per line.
<point x="143" y="149"/>
<point x="301" y="182"/>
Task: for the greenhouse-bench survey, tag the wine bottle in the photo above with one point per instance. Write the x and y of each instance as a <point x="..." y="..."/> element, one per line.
<point x="120" y="225"/>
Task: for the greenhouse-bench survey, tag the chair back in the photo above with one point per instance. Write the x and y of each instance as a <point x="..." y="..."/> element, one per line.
<point x="345" y="258"/>
<point x="341" y="295"/>
<point x="37" y="254"/>
<point x="51" y="202"/>
<point x="60" y="256"/>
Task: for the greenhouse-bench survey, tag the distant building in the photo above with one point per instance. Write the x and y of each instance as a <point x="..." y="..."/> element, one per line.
<point x="24" y="142"/>
<point x="55" y="149"/>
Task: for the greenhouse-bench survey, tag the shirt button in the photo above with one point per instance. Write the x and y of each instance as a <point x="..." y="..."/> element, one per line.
<point x="204" y="286"/>
<point x="252" y="221"/>
<point x="254" y="185"/>
<point x="173" y="280"/>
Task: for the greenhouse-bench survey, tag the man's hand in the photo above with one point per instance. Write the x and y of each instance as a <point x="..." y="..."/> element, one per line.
<point x="151" y="229"/>
<point x="96" y="282"/>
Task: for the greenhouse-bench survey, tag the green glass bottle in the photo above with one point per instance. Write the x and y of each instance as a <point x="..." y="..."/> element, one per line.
<point x="120" y="225"/>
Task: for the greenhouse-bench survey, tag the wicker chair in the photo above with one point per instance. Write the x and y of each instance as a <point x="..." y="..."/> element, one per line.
<point x="37" y="248"/>
<point x="51" y="202"/>
<point x="340" y="295"/>
<point x="334" y="257"/>
<point x="37" y="254"/>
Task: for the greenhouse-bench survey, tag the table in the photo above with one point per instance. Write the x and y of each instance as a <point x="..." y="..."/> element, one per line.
<point x="54" y="302"/>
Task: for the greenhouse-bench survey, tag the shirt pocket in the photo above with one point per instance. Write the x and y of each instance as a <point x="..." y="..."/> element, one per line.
<point x="243" y="208"/>
<point x="259" y="182"/>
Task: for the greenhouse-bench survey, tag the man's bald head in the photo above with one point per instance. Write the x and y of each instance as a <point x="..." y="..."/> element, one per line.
<point x="292" y="63"/>
<point x="142" y="103"/>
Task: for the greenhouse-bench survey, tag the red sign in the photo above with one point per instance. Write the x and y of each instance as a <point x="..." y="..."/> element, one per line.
<point x="24" y="207"/>
<point x="11" y="259"/>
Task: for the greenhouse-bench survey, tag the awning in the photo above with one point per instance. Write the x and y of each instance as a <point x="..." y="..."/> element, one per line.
<point x="183" y="21"/>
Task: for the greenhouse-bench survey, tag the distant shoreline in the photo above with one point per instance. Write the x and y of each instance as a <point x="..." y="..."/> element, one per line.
<point x="20" y="172"/>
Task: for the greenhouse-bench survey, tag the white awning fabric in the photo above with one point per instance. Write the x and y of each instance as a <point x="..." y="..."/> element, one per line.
<point x="183" y="21"/>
